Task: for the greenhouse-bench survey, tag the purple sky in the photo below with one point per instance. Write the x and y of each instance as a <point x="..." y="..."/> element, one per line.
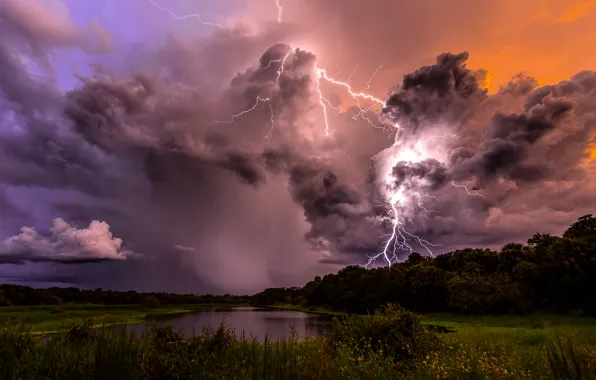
<point x="137" y="21"/>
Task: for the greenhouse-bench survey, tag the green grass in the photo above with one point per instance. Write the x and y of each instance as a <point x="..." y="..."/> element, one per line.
<point x="118" y="354"/>
<point x="505" y="347"/>
<point x="51" y="319"/>
<point x="509" y="347"/>
<point x="532" y="321"/>
<point x="513" y="347"/>
<point x="87" y="353"/>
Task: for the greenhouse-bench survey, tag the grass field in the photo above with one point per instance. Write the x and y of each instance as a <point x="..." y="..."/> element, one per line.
<point x="512" y="346"/>
<point x="51" y="319"/>
<point x="489" y="347"/>
<point x="507" y="346"/>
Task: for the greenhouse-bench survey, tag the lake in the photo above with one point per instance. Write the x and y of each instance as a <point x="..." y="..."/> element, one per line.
<point x="257" y="322"/>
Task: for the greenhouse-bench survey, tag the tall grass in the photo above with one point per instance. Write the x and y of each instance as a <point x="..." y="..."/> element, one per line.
<point x="565" y="361"/>
<point x="161" y="353"/>
<point x="392" y="345"/>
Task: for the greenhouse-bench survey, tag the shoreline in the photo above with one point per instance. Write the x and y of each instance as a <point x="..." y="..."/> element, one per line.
<point x="318" y="310"/>
<point x="52" y="319"/>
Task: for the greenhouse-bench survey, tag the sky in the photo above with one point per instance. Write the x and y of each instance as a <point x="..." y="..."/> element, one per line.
<point x="233" y="145"/>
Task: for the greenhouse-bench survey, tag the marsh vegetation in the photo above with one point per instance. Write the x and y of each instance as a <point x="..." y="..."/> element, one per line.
<point x="392" y="344"/>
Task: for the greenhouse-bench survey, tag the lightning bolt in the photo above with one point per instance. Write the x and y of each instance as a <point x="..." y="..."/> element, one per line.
<point x="282" y="62"/>
<point x="468" y="192"/>
<point x="240" y="114"/>
<point x="322" y="74"/>
<point x="236" y="116"/>
<point x="280" y="11"/>
<point x="184" y="17"/>
<point x="399" y="236"/>
<point x="368" y="83"/>
<point x="280" y="71"/>
<point x="398" y="239"/>
<point x="419" y="198"/>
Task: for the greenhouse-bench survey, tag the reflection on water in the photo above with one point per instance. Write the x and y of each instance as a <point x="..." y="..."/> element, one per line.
<point x="258" y="323"/>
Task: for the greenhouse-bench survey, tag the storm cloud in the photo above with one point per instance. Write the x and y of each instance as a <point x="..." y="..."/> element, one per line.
<point x="498" y="168"/>
<point x="226" y="156"/>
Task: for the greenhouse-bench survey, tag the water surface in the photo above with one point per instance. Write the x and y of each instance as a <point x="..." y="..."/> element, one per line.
<point x="255" y="322"/>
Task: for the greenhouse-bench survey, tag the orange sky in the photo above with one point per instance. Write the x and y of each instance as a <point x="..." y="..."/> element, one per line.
<point x="549" y="39"/>
<point x="555" y="41"/>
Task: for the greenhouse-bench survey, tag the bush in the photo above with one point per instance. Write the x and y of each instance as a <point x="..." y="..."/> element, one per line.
<point x="394" y="332"/>
<point x="161" y="338"/>
<point x="150" y="301"/>
<point x="80" y="332"/>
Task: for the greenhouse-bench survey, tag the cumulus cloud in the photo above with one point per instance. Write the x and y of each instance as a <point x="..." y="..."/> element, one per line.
<point x="65" y="244"/>
<point x="443" y="92"/>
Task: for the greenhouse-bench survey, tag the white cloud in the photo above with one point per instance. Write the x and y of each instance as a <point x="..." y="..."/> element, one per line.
<point x="67" y="244"/>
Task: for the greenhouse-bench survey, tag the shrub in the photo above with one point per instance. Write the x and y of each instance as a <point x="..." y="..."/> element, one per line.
<point x="221" y="339"/>
<point x="161" y="338"/>
<point x="80" y="332"/>
<point x="150" y="301"/>
<point x="393" y="332"/>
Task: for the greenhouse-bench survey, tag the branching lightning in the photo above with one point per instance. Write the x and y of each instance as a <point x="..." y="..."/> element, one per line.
<point x="187" y="16"/>
<point x="468" y="192"/>
<point x="236" y="116"/>
<point x="240" y="114"/>
<point x="398" y="240"/>
<point x="322" y="74"/>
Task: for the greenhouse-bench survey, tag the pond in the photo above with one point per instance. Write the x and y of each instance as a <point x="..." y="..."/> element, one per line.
<point x="255" y="322"/>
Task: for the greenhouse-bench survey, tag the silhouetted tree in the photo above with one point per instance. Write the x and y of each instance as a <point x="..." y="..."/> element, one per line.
<point x="550" y="273"/>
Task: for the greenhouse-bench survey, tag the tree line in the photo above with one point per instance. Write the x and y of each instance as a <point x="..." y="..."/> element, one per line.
<point x="549" y="273"/>
<point x="25" y="296"/>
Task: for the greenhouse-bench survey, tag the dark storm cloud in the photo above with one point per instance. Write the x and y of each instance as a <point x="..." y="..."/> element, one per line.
<point x="46" y="278"/>
<point x="443" y="91"/>
<point x="495" y="182"/>
<point x="328" y="204"/>
<point x="432" y="173"/>
<point x="163" y="166"/>
<point x="177" y="152"/>
<point x="35" y="148"/>
<point x="133" y="116"/>
<point x="510" y="139"/>
<point x="149" y="145"/>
